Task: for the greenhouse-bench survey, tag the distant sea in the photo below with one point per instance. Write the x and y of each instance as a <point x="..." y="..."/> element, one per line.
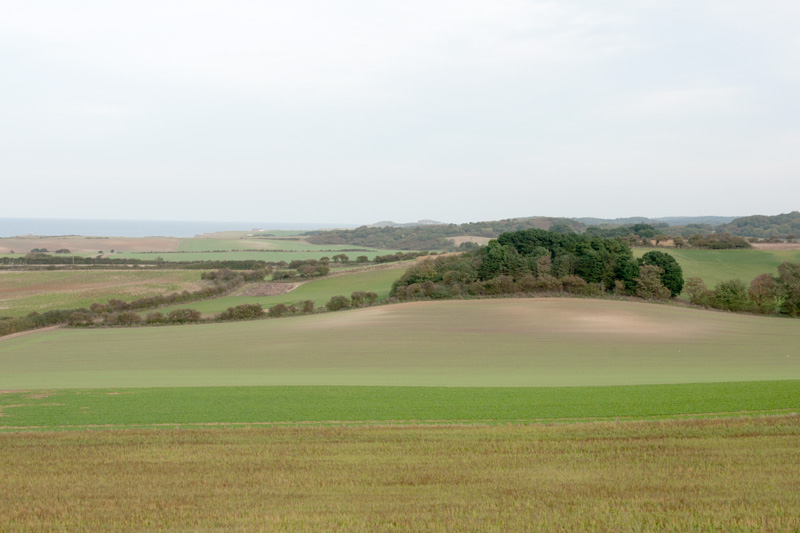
<point x="13" y="227"/>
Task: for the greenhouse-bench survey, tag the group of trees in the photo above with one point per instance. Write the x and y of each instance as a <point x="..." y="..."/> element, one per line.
<point x="536" y="260"/>
<point x="767" y="294"/>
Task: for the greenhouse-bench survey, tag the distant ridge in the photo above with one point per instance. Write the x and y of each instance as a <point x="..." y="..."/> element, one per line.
<point x="390" y="224"/>
<point x="672" y="221"/>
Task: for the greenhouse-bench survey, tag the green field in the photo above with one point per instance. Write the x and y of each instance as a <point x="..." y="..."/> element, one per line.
<point x="236" y="406"/>
<point x="25" y="292"/>
<point x="713" y="266"/>
<point x="266" y="255"/>
<point x="542" y="342"/>
<point x="319" y="291"/>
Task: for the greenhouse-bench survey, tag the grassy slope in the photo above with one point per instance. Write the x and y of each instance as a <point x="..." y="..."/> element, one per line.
<point x="510" y="342"/>
<point x="713" y="266"/>
<point x="24" y="292"/>
<point x="319" y="291"/>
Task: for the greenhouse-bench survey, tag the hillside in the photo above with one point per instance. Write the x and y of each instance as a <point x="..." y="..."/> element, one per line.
<point x="786" y="225"/>
<point x="436" y="236"/>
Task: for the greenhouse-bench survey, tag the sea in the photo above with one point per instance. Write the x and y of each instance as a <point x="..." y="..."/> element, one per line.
<point x="15" y="227"/>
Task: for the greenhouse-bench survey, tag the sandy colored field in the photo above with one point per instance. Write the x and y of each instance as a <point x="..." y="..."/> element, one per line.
<point x="469" y="238"/>
<point x="508" y="342"/>
<point x="777" y="246"/>
<point x="24" y="292"/>
<point x="92" y="245"/>
<point x="721" y="475"/>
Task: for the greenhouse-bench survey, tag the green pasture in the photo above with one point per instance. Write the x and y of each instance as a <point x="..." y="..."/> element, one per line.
<point x="542" y="342"/>
<point x="714" y="266"/>
<point x="72" y="408"/>
<point x="319" y="291"/>
<point x="266" y="255"/>
<point x="45" y="290"/>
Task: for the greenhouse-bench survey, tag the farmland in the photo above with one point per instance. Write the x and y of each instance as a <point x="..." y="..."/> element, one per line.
<point x="506" y="342"/>
<point x="732" y="474"/>
<point x="24" y="292"/>
<point x="378" y="280"/>
<point x="190" y="407"/>
<point x="714" y="266"/>
<point x="494" y="414"/>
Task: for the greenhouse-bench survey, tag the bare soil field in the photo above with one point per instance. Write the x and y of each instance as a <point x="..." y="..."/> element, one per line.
<point x="777" y="245"/>
<point x="94" y="245"/>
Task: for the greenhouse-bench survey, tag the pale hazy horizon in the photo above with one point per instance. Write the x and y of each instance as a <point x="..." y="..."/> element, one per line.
<point x="357" y="112"/>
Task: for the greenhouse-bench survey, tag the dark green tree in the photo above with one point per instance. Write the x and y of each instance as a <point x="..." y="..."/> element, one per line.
<point x="672" y="275"/>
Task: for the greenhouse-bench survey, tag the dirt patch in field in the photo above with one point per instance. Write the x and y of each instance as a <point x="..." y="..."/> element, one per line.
<point x="79" y="244"/>
<point x="270" y="289"/>
<point x="776" y="245"/>
<point x="469" y="238"/>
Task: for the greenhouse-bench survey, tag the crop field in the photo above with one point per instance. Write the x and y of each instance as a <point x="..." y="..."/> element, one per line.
<point x="87" y="245"/>
<point x="721" y="475"/>
<point x="540" y="342"/>
<point x="713" y="266"/>
<point x="186" y="407"/>
<point x="265" y="255"/>
<point x="378" y="280"/>
<point x="261" y="243"/>
<point x="24" y="292"/>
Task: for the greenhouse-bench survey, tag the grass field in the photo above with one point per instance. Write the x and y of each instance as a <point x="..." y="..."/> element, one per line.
<point x="713" y="266"/>
<point x="508" y="342"/>
<point x="266" y="255"/>
<point x="319" y="291"/>
<point x="237" y="406"/>
<point x="24" y="292"/>
<point x="721" y="475"/>
<point x="206" y="245"/>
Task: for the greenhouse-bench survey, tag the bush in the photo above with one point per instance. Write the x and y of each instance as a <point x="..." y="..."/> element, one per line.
<point x="155" y="318"/>
<point x="183" y="316"/>
<point x="337" y="302"/>
<point x="278" y="310"/>
<point x="242" y="312"/>
<point x="731" y="295"/>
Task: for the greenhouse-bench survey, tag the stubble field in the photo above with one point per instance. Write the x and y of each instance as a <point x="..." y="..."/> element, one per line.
<point x="697" y="475"/>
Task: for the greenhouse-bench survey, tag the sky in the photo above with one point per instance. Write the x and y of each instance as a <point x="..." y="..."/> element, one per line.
<point x="358" y="111"/>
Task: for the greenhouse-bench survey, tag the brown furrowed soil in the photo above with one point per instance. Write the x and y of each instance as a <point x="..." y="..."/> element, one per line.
<point x="726" y="475"/>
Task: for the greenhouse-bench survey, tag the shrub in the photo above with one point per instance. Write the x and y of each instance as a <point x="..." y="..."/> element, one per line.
<point x="183" y="316"/>
<point x="242" y="312"/>
<point x="337" y="302"/>
<point x="278" y="310"/>
<point x="731" y="295"/>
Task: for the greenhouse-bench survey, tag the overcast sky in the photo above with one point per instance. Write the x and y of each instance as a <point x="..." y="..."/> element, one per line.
<point x="357" y="111"/>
